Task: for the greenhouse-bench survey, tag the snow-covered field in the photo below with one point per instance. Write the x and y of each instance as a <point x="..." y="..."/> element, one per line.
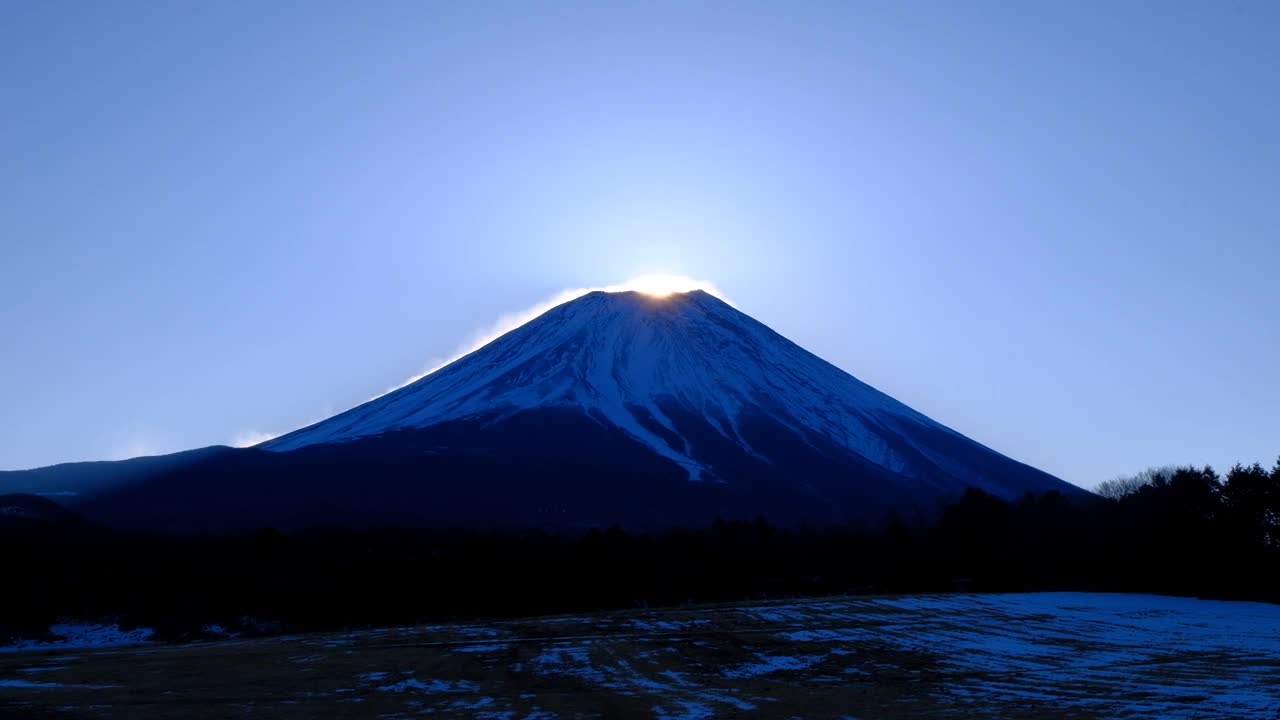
<point x="1026" y="655"/>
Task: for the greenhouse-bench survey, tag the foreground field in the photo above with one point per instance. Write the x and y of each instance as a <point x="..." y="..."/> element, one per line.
<point x="1069" y="655"/>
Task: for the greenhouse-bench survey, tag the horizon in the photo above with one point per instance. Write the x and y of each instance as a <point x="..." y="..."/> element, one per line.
<point x="658" y="287"/>
<point x="1050" y="229"/>
<point x="655" y="285"/>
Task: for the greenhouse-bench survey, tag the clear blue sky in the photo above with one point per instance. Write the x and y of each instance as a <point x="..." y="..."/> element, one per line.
<point x="1054" y="226"/>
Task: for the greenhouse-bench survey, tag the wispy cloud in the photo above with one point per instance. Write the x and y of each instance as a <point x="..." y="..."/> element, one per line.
<point x="249" y="438"/>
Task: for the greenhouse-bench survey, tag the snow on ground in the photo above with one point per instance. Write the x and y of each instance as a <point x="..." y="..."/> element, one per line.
<point x="1183" y="655"/>
<point x="1110" y="654"/>
<point x="27" y="684"/>
<point x="83" y="635"/>
<point x="1017" y="655"/>
<point x="430" y="686"/>
<point x="766" y="664"/>
<point x="485" y="648"/>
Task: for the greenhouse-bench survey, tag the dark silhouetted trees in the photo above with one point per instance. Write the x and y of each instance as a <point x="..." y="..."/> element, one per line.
<point x="1176" y="530"/>
<point x="1117" y="488"/>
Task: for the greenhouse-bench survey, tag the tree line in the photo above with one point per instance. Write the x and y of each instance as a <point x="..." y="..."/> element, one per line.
<point x="1169" y="530"/>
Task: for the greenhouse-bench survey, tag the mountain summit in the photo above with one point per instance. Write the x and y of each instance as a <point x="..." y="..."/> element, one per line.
<point x="613" y="407"/>
<point x="668" y="371"/>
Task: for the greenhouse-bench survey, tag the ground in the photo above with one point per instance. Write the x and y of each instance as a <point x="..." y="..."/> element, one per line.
<point x="1061" y="655"/>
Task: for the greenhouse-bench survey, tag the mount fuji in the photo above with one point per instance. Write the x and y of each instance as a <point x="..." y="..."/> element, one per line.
<point x="615" y="407"/>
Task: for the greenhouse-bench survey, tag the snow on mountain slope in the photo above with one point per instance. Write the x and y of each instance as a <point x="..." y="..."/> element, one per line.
<point x="627" y="359"/>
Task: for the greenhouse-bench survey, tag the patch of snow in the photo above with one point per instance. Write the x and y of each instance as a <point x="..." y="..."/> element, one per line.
<point x="471" y="704"/>
<point x="567" y="659"/>
<point x="431" y="686"/>
<point x="50" y="685"/>
<point x="492" y="647"/>
<point x="84" y="635"/>
<point x="220" y="631"/>
<point x="773" y="663"/>
<point x="684" y="710"/>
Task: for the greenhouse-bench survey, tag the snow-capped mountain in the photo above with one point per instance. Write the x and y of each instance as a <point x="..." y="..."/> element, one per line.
<point x="642" y="363"/>
<point x="613" y="407"/>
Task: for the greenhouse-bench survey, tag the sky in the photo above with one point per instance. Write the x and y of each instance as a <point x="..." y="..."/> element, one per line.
<point x="1052" y="226"/>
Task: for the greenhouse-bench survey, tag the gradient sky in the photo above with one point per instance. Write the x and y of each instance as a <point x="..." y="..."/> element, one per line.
<point x="1052" y="226"/>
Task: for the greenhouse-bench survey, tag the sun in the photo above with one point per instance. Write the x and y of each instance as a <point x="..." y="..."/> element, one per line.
<point x="659" y="285"/>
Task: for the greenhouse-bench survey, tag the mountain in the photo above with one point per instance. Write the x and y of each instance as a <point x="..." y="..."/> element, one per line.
<point x="26" y="515"/>
<point x="614" y="407"/>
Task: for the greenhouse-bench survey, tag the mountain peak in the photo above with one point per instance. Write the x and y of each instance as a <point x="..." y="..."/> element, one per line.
<point x="691" y="379"/>
<point x="646" y="409"/>
<point x="648" y="299"/>
<point x="566" y="357"/>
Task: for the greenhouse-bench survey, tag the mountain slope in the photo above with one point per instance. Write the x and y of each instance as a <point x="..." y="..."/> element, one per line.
<point x="642" y="364"/>
<point x="611" y="408"/>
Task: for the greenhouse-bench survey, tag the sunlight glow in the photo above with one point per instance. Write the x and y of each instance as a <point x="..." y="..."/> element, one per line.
<point x="663" y="285"/>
